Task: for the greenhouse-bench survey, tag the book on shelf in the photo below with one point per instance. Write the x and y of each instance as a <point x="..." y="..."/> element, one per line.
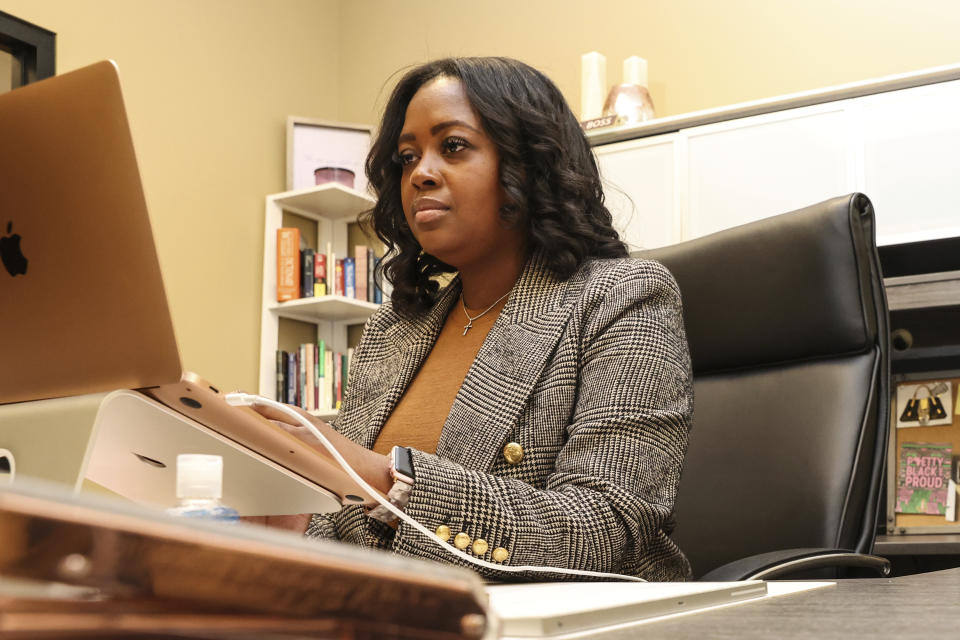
<point x="281" y="363"/>
<point x="308" y="379"/>
<point x="319" y="274"/>
<point x="349" y="278"/>
<point x="923" y="477"/>
<point x="338" y="278"/>
<point x="313" y="377"/>
<point x="306" y="273"/>
<point x="370" y="264"/>
<point x="377" y="292"/>
<point x="288" y="263"/>
<point x="360" y="274"/>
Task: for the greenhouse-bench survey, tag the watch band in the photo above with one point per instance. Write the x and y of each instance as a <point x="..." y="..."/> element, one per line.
<point x="401" y="470"/>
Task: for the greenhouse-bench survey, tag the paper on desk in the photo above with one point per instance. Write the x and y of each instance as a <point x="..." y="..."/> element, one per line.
<point x="564" y="611"/>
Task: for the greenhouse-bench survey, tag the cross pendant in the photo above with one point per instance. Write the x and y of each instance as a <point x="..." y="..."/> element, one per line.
<point x="467" y="327"/>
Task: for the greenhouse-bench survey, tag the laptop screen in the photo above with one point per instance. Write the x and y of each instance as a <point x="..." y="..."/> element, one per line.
<point x="82" y="303"/>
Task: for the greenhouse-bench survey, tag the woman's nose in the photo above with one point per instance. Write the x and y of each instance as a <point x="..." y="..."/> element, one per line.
<point x="425" y="173"/>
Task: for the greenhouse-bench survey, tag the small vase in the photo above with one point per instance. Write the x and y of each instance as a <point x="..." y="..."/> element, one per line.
<point x="631" y="103"/>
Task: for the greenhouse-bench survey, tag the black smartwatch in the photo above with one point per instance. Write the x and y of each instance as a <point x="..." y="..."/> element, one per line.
<point x="401" y="465"/>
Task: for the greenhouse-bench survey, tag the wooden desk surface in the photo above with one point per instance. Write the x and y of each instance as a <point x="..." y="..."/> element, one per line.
<point x="922" y="606"/>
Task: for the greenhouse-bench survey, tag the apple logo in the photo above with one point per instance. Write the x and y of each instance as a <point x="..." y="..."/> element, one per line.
<point x="13" y="258"/>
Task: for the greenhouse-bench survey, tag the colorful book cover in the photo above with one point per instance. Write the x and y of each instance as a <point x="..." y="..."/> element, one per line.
<point x="306" y="273"/>
<point x="301" y="377"/>
<point x="349" y="278"/>
<point x="308" y="403"/>
<point x="338" y="278"/>
<point x="281" y="371"/>
<point x="922" y="478"/>
<point x="371" y="263"/>
<point x="319" y="274"/>
<point x="288" y="263"/>
<point x="328" y="387"/>
<point x="338" y="379"/>
<point x="321" y="373"/>
<point x="292" y="379"/>
<point x="377" y="293"/>
<point x="360" y="262"/>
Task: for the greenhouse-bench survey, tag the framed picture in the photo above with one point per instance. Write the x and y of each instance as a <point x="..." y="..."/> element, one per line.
<point x="924" y="404"/>
<point x="321" y="151"/>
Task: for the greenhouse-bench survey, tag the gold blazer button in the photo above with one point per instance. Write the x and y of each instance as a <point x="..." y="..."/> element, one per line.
<point x="500" y="554"/>
<point x="513" y="453"/>
<point x="480" y="546"/>
<point x="443" y="532"/>
<point x="462" y="541"/>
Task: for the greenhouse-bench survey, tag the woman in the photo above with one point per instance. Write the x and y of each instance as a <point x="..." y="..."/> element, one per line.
<point x="545" y="392"/>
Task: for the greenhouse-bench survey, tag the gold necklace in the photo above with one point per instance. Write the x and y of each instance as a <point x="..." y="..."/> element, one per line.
<point x="470" y="320"/>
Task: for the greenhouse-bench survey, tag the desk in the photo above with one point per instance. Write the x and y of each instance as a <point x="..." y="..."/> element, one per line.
<point x="922" y="606"/>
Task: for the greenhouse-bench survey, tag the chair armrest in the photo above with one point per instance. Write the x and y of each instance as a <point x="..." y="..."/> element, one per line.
<point x="775" y="564"/>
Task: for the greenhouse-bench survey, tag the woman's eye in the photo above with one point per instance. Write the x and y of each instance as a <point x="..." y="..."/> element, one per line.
<point x="452" y="145"/>
<point x="403" y="158"/>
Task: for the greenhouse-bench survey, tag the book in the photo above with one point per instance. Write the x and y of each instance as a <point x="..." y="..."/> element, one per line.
<point x="281" y="375"/>
<point x="288" y="263"/>
<point x="377" y="292"/>
<point x="338" y="278"/>
<point x="308" y="403"/>
<point x="306" y="273"/>
<point x="329" y="400"/>
<point x="291" y="378"/>
<point x="319" y="274"/>
<point x="338" y="379"/>
<point x="301" y="376"/>
<point x="321" y="373"/>
<point x="923" y="477"/>
<point x="371" y="263"/>
<point x="360" y="263"/>
<point x="331" y="270"/>
<point x="349" y="278"/>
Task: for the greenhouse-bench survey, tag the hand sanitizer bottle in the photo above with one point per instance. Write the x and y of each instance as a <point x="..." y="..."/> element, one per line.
<point x="199" y="488"/>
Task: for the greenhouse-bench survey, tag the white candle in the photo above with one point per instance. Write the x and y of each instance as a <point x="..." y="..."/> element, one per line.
<point x="635" y="71"/>
<point x="593" y="85"/>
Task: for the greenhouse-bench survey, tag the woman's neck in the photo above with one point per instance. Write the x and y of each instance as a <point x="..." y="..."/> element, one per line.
<point x="483" y="285"/>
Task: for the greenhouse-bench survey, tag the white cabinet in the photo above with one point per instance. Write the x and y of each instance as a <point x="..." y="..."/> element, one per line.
<point x="333" y="206"/>
<point x="911" y="164"/>
<point x="640" y="191"/>
<point x="898" y="147"/>
<point x="746" y="169"/>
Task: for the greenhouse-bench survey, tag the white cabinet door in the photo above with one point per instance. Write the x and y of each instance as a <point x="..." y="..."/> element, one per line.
<point x="911" y="162"/>
<point x="638" y="182"/>
<point x="743" y="170"/>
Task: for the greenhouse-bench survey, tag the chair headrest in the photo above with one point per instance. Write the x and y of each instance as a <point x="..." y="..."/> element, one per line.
<point x="793" y="287"/>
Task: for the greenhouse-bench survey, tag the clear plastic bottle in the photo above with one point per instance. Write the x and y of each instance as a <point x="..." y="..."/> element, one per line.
<point x="199" y="488"/>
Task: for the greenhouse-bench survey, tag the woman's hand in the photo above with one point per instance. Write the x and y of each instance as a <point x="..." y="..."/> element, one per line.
<point x="372" y="467"/>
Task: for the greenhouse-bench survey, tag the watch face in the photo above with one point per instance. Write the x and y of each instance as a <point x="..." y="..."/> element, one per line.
<point x="403" y="461"/>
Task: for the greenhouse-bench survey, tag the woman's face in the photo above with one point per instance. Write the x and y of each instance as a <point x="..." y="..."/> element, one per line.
<point x="450" y="186"/>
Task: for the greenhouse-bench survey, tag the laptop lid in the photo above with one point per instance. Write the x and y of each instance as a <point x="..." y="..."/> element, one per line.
<point x="89" y="311"/>
<point x="83" y="306"/>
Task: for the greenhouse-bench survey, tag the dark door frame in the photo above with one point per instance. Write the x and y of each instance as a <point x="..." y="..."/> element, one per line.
<point x="33" y="48"/>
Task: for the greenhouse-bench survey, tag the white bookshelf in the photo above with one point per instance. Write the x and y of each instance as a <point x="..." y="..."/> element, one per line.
<point x="333" y="206"/>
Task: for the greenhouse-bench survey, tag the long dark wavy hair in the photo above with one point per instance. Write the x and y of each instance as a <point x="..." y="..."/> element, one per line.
<point x="548" y="174"/>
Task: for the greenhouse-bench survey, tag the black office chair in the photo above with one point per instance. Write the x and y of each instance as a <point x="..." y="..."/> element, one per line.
<point x="787" y="324"/>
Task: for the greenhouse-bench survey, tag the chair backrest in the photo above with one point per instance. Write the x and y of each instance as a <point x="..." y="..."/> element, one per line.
<point x="786" y="319"/>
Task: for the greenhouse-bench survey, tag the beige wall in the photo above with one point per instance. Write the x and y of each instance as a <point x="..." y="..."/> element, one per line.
<point x="208" y="85"/>
<point x="702" y="53"/>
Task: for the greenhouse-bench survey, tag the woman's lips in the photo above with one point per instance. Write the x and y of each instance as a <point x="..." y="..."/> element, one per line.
<point x="428" y="216"/>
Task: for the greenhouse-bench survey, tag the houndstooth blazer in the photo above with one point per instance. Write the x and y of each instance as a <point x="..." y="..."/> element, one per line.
<point x="591" y="376"/>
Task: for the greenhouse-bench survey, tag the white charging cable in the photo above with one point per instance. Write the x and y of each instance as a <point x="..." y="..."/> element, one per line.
<point x="247" y="399"/>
